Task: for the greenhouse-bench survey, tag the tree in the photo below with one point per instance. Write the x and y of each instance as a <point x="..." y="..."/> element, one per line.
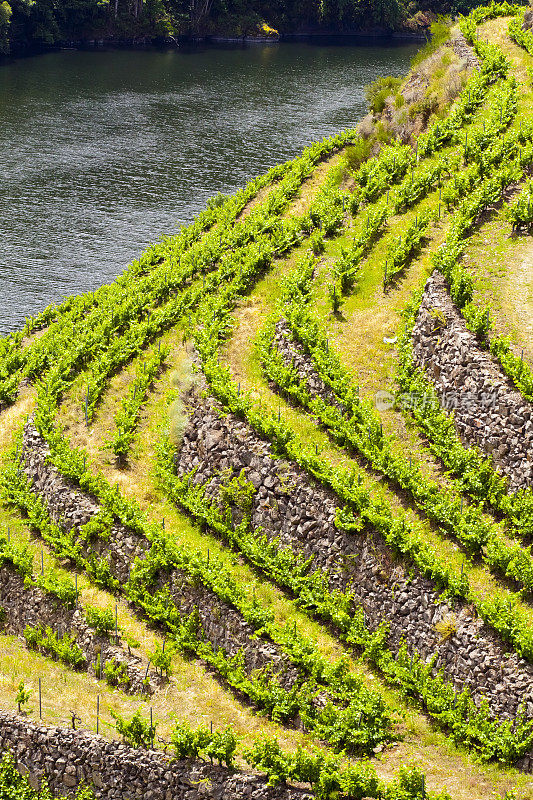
<point x="5" y="17"/>
<point x="199" y="13"/>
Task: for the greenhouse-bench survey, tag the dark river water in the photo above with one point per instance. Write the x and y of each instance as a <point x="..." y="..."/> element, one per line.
<point x="103" y="152"/>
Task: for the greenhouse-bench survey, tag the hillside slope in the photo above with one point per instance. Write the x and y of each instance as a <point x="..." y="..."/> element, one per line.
<point x="276" y="479"/>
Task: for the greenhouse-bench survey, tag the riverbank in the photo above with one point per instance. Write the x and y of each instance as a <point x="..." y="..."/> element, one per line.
<point x="377" y="38"/>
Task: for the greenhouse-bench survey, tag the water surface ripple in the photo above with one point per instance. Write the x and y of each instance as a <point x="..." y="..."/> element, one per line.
<point x="103" y="152"/>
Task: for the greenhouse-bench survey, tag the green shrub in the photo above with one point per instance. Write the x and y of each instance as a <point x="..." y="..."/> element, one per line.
<point x="162" y="658"/>
<point x="186" y="742"/>
<point x="61" y="587"/>
<point x="116" y="673"/>
<point x="376" y="93"/>
<point x="316" y="243"/>
<point x="239" y="492"/>
<point x="439" y="33"/>
<point x="267" y="756"/>
<point x="358" y="152"/>
<point x="222" y="747"/>
<point x="22" y="696"/>
<point x="136" y="732"/>
<point x="101" y="619"/>
<point x="63" y="649"/>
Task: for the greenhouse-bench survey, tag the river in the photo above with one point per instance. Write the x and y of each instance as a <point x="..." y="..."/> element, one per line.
<point x="103" y="152"/>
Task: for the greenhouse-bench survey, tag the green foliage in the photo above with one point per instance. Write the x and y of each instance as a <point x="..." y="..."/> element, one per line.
<point x="60" y="587"/>
<point x="22" y="696"/>
<point x="520" y="211"/>
<point x="439" y="34"/>
<point x="357" y="153"/>
<point x="48" y="641"/>
<point x="239" y="492"/>
<point x="222" y="747"/>
<point x="216" y="745"/>
<point x="335" y="297"/>
<point x="136" y="732"/>
<point x="14" y="786"/>
<point x="162" y="657"/>
<point x="116" y="674"/>
<point x="127" y="417"/>
<point x="5" y="18"/>
<point x="377" y="92"/>
<point x="16" y="557"/>
<point x="101" y="619"/>
<point x="316" y="242"/>
<point x="267" y="756"/>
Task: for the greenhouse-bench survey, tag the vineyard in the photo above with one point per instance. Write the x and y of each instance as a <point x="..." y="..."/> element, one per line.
<point x="266" y="501"/>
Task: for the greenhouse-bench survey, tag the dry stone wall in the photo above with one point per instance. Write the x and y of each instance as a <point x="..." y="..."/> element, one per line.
<point x="290" y="505"/>
<point x="25" y="606"/>
<point x="465" y="52"/>
<point x="67" y="758"/>
<point x="488" y="411"/>
<point x="222" y="625"/>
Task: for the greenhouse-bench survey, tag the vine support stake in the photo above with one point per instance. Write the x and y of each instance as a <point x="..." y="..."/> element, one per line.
<point x="208" y="556"/>
<point x="116" y="622"/>
<point x="42" y="561"/>
<point x="76" y="585"/>
<point x="97" y="713"/>
<point x="147" y="668"/>
<point x="40" y="700"/>
<point x="8" y="534"/>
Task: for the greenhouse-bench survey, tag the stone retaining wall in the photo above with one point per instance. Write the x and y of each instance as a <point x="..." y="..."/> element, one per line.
<point x="290" y="505"/>
<point x="461" y="48"/>
<point x="222" y="625"/>
<point x="67" y="758"/>
<point x="30" y="606"/>
<point x="488" y="411"/>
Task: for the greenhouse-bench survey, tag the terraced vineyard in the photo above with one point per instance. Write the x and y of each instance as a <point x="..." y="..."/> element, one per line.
<point x="268" y="495"/>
